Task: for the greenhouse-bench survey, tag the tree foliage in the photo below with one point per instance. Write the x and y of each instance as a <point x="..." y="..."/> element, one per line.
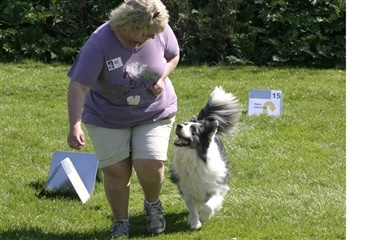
<point x="276" y="32"/>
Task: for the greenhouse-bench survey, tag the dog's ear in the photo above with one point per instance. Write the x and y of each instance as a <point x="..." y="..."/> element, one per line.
<point x="210" y="126"/>
<point x="209" y="130"/>
<point x="194" y="119"/>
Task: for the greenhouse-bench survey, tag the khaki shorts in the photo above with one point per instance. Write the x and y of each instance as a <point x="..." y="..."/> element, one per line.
<point x="148" y="141"/>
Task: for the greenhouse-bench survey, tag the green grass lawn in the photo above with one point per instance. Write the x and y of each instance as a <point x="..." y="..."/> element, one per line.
<point x="287" y="172"/>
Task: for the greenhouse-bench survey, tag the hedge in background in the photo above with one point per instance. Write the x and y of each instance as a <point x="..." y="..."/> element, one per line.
<point x="48" y="30"/>
<point x="295" y="32"/>
<point x="277" y="32"/>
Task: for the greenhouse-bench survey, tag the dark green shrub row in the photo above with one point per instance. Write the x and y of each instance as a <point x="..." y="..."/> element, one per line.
<point x="288" y="32"/>
<point x="48" y="30"/>
<point x="307" y="32"/>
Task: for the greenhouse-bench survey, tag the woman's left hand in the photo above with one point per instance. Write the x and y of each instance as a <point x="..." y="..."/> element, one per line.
<point x="158" y="87"/>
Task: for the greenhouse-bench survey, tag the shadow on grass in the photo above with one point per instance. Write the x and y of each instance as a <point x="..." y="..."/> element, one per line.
<point x="41" y="192"/>
<point x="175" y="223"/>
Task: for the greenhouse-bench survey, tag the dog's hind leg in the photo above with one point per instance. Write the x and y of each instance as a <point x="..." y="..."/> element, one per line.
<point x="194" y="214"/>
<point x="211" y="206"/>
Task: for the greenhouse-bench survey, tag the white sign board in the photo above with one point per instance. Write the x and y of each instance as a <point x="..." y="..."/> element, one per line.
<point x="268" y="102"/>
<point x="73" y="170"/>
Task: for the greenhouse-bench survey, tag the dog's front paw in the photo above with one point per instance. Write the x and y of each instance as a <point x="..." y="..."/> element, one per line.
<point x="206" y="213"/>
<point x="194" y="223"/>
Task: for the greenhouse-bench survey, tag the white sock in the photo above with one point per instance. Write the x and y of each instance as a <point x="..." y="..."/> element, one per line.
<point x="152" y="203"/>
<point x="121" y="220"/>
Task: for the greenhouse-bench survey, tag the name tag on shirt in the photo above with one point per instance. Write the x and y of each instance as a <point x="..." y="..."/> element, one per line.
<point x="114" y="63"/>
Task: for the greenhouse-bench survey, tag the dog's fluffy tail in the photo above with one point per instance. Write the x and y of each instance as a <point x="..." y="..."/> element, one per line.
<point x="223" y="107"/>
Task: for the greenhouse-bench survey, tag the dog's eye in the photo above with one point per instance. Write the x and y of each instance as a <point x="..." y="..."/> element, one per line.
<point x="193" y="130"/>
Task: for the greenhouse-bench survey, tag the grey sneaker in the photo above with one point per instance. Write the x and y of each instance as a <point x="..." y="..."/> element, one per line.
<point x="154" y="217"/>
<point x="120" y="229"/>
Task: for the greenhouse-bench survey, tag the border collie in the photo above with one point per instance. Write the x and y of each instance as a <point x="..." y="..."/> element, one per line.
<point x="200" y="168"/>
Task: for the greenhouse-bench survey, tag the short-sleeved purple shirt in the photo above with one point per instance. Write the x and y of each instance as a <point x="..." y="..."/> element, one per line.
<point x="119" y="79"/>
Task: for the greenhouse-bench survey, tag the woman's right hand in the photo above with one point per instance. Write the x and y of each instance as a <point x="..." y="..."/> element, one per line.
<point x="76" y="138"/>
<point x="76" y="96"/>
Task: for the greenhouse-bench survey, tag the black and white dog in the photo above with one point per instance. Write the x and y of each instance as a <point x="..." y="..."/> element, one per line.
<point x="200" y="167"/>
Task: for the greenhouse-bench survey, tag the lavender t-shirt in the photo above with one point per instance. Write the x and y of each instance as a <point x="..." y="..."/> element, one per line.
<point x="119" y="79"/>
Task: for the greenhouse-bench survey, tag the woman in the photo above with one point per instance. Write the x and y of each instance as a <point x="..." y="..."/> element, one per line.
<point x="120" y="90"/>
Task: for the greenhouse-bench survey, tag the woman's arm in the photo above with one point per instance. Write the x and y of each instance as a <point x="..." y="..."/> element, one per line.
<point x="76" y="97"/>
<point x="158" y="87"/>
<point x="170" y="66"/>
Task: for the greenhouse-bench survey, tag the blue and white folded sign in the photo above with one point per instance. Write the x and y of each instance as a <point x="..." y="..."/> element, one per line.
<point x="268" y="102"/>
<point x="73" y="170"/>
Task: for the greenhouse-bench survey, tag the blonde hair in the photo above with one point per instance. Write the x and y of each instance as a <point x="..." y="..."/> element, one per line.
<point x="142" y="15"/>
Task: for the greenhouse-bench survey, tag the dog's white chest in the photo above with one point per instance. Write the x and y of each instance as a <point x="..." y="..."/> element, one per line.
<point x="196" y="178"/>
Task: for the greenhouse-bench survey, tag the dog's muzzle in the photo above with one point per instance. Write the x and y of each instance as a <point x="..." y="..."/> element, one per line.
<point x="181" y="141"/>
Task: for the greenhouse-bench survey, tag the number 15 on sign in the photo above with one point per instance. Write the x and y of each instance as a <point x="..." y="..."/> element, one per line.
<point x="276" y="94"/>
